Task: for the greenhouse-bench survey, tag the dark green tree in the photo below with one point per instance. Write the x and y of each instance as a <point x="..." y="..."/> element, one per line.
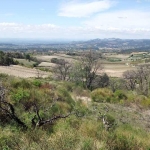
<point x="28" y="57"/>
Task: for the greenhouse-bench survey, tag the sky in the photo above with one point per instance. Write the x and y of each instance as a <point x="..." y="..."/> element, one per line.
<point x="75" y="19"/>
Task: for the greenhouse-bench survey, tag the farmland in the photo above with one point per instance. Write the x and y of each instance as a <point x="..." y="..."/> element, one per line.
<point x="113" y="69"/>
<point x="116" y="69"/>
<point x="23" y="72"/>
<point x="48" y="58"/>
<point x="113" y="64"/>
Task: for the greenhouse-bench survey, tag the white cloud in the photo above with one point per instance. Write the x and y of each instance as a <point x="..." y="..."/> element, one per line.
<point x="23" y="30"/>
<point x="121" y="20"/>
<point x="84" y="9"/>
<point x="98" y="27"/>
<point x="7" y="25"/>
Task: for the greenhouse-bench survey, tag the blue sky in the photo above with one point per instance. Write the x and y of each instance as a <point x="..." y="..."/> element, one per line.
<point x="74" y="19"/>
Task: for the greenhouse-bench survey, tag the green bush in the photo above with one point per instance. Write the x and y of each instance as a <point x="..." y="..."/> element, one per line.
<point x="20" y="94"/>
<point x="120" y="95"/>
<point x="101" y="95"/>
<point x="145" y="103"/>
<point x="35" y="64"/>
<point x="37" y="83"/>
<point x="64" y="96"/>
<point x="3" y="75"/>
<point x="21" y="84"/>
<point x="68" y="86"/>
<point x="110" y="119"/>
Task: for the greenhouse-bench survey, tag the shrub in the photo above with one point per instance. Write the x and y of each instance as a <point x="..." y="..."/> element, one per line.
<point x="145" y="103"/>
<point x="37" y="83"/>
<point x="101" y="81"/>
<point x="101" y="95"/>
<point x="119" y="94"/>
<point x="127" y="138"/>
<point x="64" y="96"/>
<point x="68" y="86"/>
<point x="20" y="94"/>
<point x="110" y="119"/>
<point x="3" y="75"/>
<point x="21" y="84"/>
<point x="35" y="64"/>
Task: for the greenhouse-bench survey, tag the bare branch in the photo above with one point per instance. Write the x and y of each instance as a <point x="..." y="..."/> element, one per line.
<point x="37" y="111"/>
<point x="51" y="120"/>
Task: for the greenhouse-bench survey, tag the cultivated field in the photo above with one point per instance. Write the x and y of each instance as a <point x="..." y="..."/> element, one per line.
<point x="116" y="69"/>
<point x="113" y="69"/>
<point x="113" y="55"/>
<point x="47" y="58"/>
<point x="23" y="72"/>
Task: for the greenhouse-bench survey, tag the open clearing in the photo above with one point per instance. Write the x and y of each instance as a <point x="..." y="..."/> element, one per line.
<point x="46" y="64"/>
<point x="47" y="58"/>
<point x="25" y="62"/>
<point x="22" y="72"/>
<point x="116" y="69"/>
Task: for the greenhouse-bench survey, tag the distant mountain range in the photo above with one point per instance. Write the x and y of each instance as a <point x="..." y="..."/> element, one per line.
<point x="111" y="44"/>
<point x="119" y="43"/>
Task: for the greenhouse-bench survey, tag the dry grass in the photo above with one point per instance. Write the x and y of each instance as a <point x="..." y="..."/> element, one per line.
<point x="46" y="64"/>
<point x="58" y="56"/>
<point x="22" y="72"/>
<point x="115" y="69"/>
<point x="25" y="62"/>
<point x="121" y="56"/>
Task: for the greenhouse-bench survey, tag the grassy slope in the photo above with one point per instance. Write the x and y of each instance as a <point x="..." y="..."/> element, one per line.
<point x="25" y="62"/>
<point x="131" y="131"/>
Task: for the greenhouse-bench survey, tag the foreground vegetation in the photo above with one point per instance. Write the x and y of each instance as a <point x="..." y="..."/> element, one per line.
<point x="72" y="123"/>
<point x="76" y="109"/>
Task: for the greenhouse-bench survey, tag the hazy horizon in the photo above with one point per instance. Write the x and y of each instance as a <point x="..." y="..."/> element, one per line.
<point x="51" y="41"/>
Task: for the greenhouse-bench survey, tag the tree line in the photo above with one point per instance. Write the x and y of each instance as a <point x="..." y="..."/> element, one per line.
<point x="5" y="59"/>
